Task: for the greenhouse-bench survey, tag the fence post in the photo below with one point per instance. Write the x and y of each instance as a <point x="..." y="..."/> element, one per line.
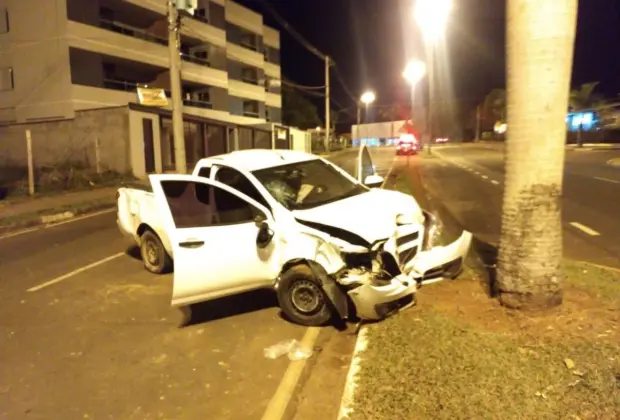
<point x="30" y="163"/>
<point x="97" y="156"/>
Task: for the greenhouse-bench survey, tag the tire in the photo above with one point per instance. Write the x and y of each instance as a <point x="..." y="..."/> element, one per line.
<point x="154" y="255"/>
<point x="302" y="299"/>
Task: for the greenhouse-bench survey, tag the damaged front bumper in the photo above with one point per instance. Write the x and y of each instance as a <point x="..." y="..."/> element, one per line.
<point x="375" y="302"/>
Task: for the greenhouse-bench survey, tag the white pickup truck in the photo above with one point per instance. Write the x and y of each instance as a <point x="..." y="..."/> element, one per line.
<point x="330" y="244"/>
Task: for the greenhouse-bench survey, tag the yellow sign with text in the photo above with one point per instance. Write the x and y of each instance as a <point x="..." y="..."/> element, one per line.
<point x="152" y="97"/>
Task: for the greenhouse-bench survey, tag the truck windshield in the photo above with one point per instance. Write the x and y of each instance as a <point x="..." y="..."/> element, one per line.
<point x="304" y="185"/>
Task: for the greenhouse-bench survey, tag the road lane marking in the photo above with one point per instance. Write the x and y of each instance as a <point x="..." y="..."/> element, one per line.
<point x="607" y="179"/>
<point x="279" y="402"/>
<point x="51" y="225"/>
<point x="495" y="182"/>
<point x="585" y="229"/>
<point x="485" y="177"/>
<point x="75" y="272"/>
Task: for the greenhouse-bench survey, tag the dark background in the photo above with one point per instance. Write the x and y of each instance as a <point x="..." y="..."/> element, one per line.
<point x="371" y="40"/>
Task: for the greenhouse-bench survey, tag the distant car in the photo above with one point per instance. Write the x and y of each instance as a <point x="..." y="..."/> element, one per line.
<point x="407" y="145"/>
<point x="441" y="140"/>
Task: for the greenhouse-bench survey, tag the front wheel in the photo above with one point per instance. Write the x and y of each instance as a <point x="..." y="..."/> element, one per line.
<point x="154" y="255"/>
<point x="301" y="298"/>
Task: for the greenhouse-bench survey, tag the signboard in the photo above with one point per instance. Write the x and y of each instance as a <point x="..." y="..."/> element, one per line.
<point x="281" y="134"/>
<point x="152" y="97"/>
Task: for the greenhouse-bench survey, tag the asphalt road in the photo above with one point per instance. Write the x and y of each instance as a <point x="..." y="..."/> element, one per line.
<point x="469" y="179"/>
<point x="96" y="338"/>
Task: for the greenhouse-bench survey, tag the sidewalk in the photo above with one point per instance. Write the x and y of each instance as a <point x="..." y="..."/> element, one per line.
<point x="22" y="212"/>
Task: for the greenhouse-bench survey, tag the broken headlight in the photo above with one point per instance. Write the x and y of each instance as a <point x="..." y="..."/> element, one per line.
<point x="432" y="231"/>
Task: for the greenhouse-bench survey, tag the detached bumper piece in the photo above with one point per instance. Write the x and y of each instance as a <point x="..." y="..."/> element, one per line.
<point x="374" y="302"/>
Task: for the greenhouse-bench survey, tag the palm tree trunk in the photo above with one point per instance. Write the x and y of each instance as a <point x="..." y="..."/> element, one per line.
<point x="540" y="43"/>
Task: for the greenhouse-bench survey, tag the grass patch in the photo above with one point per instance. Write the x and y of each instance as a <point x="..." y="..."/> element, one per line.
<point x="460" y="355"/>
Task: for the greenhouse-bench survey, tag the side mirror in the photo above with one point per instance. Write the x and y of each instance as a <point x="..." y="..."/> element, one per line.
<point x="373" y="181"/>
<point x="265" y="235"/>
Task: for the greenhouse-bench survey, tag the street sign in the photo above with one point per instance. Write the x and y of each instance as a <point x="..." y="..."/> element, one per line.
<point x="152" y="97"/>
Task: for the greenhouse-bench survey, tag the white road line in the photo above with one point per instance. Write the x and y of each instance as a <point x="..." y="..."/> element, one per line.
<point x="607" y="179"/>
<point x="51" y="225"/>
<point x="485" y="177"/>
<point x="477" y="173"/>
<point x="75" y="272"/>
<point x="585" y="229"/>
<point x="348" y="396"/>
<point x="495" y="182"/>
<point x="279" y="402"/>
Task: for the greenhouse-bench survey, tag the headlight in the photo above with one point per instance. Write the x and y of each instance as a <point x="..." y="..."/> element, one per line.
<point x="432" y="231"/>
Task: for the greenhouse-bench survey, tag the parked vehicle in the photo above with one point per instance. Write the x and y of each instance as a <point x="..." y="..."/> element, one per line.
<point x="408" y="144"/>
<point x="328" y="243"/>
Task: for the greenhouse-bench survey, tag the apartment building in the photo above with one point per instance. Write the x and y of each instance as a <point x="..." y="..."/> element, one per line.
<point x="70" y="69"/>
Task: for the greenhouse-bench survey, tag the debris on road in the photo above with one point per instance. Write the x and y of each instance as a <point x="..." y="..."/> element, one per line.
<point x="293" y="348"/>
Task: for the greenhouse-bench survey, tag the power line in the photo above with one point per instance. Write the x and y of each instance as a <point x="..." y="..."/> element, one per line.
<point x="308" y="46"/>
<point x="292" y="84"/>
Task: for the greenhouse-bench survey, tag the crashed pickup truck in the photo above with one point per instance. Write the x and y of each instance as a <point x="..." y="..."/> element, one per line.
<point x="330" y="244"/>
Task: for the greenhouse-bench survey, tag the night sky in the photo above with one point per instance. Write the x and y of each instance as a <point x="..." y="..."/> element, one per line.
<point x="371" y="40"/>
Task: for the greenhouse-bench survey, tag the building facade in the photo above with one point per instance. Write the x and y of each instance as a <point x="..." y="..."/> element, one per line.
<point x="70" y="69"/>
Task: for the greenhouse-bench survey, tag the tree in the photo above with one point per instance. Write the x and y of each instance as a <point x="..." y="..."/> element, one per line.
<point x="584" y="97"/>
<point x="540" y="44"/>
<point x="298" y="111"/>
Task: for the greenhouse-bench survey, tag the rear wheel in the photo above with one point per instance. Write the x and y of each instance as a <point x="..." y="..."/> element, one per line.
<point x="301" y="298"/>
<point x="154" y="255"/>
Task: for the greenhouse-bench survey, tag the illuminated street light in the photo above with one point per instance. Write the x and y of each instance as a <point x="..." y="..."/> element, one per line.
<point x="414" y="71"/>
<point x="432" y="17"/>
<point x="368" y="97"/>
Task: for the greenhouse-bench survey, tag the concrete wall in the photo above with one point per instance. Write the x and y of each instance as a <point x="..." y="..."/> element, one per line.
<point x="58" y="142"/>
<point x="243" y="17"/>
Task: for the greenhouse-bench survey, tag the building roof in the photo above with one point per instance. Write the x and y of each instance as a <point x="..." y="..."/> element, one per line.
<point x="256" y="159"/>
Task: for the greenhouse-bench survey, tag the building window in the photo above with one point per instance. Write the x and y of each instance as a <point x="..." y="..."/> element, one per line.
<point x="249" y="40"/>
<point x="250" y="109"/>
<point x="267" y="116"/>
<point x="249" y="75"/>
<point x="6" y="79"/>
<point x="4" y="21"/>
<point x="202" y="14"/>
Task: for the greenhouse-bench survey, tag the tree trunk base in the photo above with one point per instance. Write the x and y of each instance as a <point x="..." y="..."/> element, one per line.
<point x="531" y="302"/>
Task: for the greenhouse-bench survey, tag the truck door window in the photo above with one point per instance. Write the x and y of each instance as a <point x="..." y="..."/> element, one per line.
<point x="194" y="204"/>
<point x="241" y="183"/>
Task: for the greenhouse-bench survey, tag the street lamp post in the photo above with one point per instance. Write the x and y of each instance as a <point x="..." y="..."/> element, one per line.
<point x="367" y="98"/>
<point x="432" y="18"/>
<point x="414" y="72"/>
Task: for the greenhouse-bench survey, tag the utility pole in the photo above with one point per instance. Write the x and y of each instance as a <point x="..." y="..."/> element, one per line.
<point x="359" y="121"/>
<point x="175" y="88"/>
<point x="431" y="93"/>
<point x="478" y="123"/>
<point x="327" y="104"/>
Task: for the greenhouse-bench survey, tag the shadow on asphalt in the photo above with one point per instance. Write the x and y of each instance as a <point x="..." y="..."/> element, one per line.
<point x="228" y="307"/>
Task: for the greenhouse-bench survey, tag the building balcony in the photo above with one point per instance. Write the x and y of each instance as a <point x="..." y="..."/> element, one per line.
<point x="115" y="93"/>
<point x="246" y="90"/>
<point x="244" y="55"/>
<point x="197" y="28"/>
<point x="273" y="100"/>
<point x="128" y="44"/>
<point x="198" y="71"/>
<point x="197" y="104"/>
<point x="272" y="70"/>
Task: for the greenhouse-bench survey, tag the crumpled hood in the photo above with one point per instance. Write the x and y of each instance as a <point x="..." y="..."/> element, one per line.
<point x="371" y="215"/>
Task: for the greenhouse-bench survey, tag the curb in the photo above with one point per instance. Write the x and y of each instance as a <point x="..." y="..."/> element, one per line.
<point x="348" y="397"/>
<point x="33" y="220"/>
<point x="614" y="162"/>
